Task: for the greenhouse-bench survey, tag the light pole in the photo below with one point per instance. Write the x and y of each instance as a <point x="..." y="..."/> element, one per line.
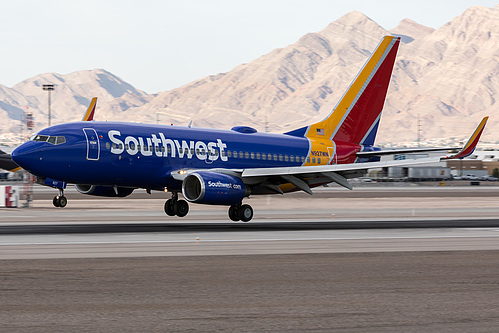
<point x="49" y="88"/>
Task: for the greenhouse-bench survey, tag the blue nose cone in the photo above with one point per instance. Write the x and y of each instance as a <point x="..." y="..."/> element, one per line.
<point x="26" y="155"/>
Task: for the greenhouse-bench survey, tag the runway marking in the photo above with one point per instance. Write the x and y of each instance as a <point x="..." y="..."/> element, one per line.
<point x="245" y="240"/>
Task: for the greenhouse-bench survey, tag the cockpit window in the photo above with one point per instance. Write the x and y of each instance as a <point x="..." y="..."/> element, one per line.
<point x="55" y="140"/>
<point x="42" y="138"/>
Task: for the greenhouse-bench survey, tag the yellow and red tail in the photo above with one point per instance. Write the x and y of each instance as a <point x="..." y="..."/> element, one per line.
<point x="89" y="115"/>
<point x="356" y="117"/>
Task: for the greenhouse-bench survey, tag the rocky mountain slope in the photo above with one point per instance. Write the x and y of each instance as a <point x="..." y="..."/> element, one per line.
<point x="447" y="77"/>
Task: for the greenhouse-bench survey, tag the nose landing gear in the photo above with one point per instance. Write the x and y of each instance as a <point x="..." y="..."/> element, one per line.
<point x="60" y="200"/>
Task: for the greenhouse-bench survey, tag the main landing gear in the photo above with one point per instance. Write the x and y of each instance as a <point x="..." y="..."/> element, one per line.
<point x="243" y="213"/>
<point x="177" y="207"/>
<point x="60" y="200"/>
<point x="180" y="208"/>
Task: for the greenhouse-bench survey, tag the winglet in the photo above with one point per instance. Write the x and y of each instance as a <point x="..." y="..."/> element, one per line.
<point x="470" y="146"/>
<point x="89" y="115"/>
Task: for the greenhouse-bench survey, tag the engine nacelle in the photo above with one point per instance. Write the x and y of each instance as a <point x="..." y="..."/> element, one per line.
<point x="213" y="188"/>
<point x="104" y="191"/>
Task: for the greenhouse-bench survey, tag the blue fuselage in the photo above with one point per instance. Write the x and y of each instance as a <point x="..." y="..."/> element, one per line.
<point x="144" y="155"/>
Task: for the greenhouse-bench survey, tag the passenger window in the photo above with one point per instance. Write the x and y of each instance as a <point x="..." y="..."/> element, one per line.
<point x="308" y="159"/>
<point x="229" y="153"/>
<point x="235" y="154"/>
<point x="126" y="146"/>
<point x="192" y="151"/>
<point x="162" y="149"/>
<point x="292" y="158"/>
<point x="246" y="154"/>
<point x="280" y="157"/>
<point x="269" y="157"/>
<point x="286" y="158"/>
<point x="264" y="156"/>
<point x="180" y="150"/>
<point x="241" y="155"/>
<point x="121" y="146"/>
<point x="275" y="157"/>
<point x="257" y="156"/>
<point x="252" y="156"/>
<point x="169" y="150"/>
<point x="313" y="160"/>
<point x="108" y="145"/>
<point x="157" y="149"/>
<point x="318" y="160"/>
<point x="303" y="159"/>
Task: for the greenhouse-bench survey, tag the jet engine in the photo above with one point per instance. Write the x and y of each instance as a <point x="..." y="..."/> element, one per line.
<point x="213" y="188"/>
<point x="104" y="191"/>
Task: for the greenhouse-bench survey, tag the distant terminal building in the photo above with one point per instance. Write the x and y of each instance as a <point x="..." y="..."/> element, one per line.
<point x="480" y="163"/>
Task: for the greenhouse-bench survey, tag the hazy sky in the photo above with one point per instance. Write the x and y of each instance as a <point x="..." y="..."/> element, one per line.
<point x="159" y="45"/>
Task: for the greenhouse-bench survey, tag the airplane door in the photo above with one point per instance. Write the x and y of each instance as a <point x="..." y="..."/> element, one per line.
<point x="93" y="144"/>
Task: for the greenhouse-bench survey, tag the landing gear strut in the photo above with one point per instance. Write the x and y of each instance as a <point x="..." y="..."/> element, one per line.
<point x="177" y="207"/>
<point x="60" y="200"/>
<point x="243" y="213"/>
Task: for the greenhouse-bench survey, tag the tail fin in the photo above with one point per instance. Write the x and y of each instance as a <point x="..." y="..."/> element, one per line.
<point x="356" y="117"/>
<point x="89" y="115"/>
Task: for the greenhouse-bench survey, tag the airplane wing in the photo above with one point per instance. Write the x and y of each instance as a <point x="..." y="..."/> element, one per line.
<point x="284" y="179"/>
<point x="465" y="151"/>
<point x="401" y="151"/>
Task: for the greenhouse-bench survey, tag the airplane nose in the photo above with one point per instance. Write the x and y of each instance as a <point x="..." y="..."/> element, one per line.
<point x="24" y="155"/>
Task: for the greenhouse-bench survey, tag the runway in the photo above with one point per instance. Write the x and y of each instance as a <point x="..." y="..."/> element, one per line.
<point x="388" y="263"/>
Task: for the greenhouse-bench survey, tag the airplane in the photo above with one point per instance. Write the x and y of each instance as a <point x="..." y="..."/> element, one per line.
<point x="223" y="167"/>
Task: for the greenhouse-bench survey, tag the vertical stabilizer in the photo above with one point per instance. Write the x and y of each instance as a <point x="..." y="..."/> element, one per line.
<point x="89" y="115"/>
<point x="356" y="117"/>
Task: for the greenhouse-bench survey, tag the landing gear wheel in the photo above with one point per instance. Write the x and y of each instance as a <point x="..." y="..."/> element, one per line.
<point x="245" y="213"/>
<point x="170" y="207"/>
<point x="60" y="201"/>
<point x="63" y="201"/>
<point x="181" y="208"/>
<point x="233" y="213"/>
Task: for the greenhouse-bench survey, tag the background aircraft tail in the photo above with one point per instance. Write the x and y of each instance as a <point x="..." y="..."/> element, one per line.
<point x="356" y="117"/>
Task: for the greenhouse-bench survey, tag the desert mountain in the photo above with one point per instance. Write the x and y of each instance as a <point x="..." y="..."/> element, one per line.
<point x="70" y="98"/>
<point x="447" y="77"/>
